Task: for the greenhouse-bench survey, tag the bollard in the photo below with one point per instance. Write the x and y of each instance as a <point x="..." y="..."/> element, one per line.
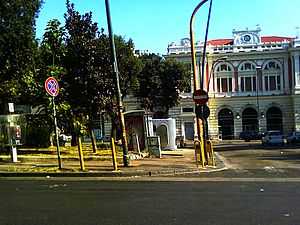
<point x="14" y="155"/>
<point x="197" y="146"/>
<point x="81" y="159"/>
<point x="210" y="152"/>
<point x="113" y="153"/>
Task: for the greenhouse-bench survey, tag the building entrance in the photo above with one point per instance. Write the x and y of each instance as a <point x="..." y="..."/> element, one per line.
<point x="249" y="120"/>
<point x="189" y="130"/>
<point x="274" y="119"/>
<point x="226" y="124"/>
<point x="162" y="132"/>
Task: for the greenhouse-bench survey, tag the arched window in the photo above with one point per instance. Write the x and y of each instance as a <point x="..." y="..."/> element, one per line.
<point x="272" y="76"/>
<point x="247" y="66"/>
<point x="247" y="77"/>
<point x="224" y="74"/>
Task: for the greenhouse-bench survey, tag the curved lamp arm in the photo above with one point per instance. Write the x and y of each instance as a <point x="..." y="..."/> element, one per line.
<point x="192" y="43"/>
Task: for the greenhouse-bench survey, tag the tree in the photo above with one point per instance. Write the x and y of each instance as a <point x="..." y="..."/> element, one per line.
<point x="129" y="67"/>
<point x="89" y="80"/>
<point x="81" y="78"/>
<point x="18" y="49"/>
<point x="53" y="46"/>
<point x="160" y="83"/>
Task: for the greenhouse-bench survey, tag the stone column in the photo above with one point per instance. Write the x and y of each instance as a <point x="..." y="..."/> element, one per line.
<point x="236" y="80"/>
<point x="285" y="74"/>
<point x="297" y="70"/>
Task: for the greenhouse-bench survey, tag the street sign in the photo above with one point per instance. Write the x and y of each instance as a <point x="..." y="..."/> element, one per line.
<point x="200" y="97"/>
<point x="202" y="111"/>
<point x="51" y="86"/>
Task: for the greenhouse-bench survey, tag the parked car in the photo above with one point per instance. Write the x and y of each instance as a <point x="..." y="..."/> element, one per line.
<point x="273" y="137"/>
<point x="293" y="137"/>
<point x="250" y="135"/>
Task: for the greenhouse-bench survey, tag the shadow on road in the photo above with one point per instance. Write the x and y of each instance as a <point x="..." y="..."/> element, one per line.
<point x="288" y="157"/>
<point x="251" y="146"/>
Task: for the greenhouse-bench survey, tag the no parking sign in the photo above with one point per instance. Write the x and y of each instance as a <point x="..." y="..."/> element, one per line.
<point x="51" y="86"/>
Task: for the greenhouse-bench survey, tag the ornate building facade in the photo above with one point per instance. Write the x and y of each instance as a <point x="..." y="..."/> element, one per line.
<point x="253" y="83"/>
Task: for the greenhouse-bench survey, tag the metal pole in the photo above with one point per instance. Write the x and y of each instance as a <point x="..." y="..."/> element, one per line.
<point x="195" y="85"/>
<point x="204" y="46"/>
<point x="194" y="66"/>
<point x="258" y="76"/>
<point x="119" y="95"/>
<point x="56" y="134"/>
<point x="114" y="155"/>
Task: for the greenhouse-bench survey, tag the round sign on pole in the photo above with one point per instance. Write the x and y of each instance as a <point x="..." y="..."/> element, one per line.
<point x="202" y="111"/>
<point x="200" y="97"/>
<point x="51" y="86"/>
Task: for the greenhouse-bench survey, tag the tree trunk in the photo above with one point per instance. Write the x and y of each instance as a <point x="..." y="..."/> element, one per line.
<point x="74" y="141"/>
<point x="93" y="138"/>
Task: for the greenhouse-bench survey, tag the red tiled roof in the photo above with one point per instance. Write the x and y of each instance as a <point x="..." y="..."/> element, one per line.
<point x="264" y="39"/>
<point x="267" y="39"/>
<point x="220" y="42"/>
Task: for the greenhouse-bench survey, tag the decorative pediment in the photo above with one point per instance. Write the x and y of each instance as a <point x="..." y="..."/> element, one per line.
<point x="246" y="37"/>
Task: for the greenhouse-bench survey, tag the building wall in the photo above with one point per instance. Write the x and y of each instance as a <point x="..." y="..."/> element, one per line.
<point x="271" y="57"/>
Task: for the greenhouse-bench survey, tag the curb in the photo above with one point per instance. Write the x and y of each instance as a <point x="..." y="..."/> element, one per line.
<point x="140" y="172"/>
<point x="99" y="174"/>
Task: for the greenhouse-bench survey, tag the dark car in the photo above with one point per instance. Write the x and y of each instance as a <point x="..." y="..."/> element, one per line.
<point x="250" y="135"/>
<point x="273" y="137"/>
<point x="293" y="137"/>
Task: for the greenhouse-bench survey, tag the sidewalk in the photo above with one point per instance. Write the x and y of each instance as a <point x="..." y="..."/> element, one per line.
<point x="172" y="163"/>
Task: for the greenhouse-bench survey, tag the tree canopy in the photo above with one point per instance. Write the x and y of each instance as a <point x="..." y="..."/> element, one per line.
<point x="160" y="82"/>
<point x="17" y="49"/>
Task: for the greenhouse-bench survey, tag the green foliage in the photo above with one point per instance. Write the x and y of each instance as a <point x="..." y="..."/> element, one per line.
<point x="89" y="80"/>
<point x="38" y="131"/>
<point x="17" y="48"/>
<point x="160" y="83"/>
<point x="53" y="48"/>
<point x="80" y="80"/>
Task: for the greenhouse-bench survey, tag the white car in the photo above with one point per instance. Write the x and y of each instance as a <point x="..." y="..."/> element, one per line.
<point x="293" y="137"/>
<point x="273" y="138"/>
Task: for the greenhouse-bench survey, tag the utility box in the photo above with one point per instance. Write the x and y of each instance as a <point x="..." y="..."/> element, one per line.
<point x="154" y="146"/>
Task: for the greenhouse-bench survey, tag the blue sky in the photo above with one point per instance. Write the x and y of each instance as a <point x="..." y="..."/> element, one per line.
<point x="152" y="24"/>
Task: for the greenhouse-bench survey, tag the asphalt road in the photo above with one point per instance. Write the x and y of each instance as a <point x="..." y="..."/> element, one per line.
<point x="59" y="202"/>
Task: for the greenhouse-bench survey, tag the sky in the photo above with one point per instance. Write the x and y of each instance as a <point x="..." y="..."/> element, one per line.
<point x="153" y="24"/>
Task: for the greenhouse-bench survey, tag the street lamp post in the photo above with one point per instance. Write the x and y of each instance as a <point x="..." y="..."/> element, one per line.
<point x="258" y="77"/>
<point x="212" y="71"/>
<point x="195" y="84"/>
<point x="119" y="94"/>
<point x="208" y="83"/>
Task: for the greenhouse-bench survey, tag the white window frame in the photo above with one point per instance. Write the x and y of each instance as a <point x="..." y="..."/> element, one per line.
<point x="252" y="82"/>
<point x="271" y="72"/>
<point x="245" y="73"/>
<point x="220" y="74"/>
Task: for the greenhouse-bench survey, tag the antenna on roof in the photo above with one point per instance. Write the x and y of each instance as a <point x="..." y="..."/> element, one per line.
<point x="258" y="27"/>
<point x="297" y="32"/>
